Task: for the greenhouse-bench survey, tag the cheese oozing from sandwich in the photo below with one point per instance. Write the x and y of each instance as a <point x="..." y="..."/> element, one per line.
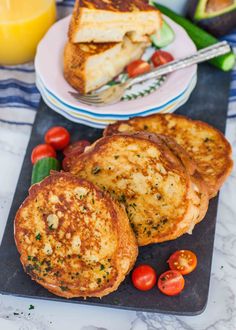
<point x="90" y="66"/>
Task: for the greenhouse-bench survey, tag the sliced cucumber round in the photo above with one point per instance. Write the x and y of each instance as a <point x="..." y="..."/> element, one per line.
<point x="164" y="36"/>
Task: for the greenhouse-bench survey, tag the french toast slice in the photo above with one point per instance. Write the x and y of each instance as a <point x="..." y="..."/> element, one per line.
<point x="140" y="171"/>
<point x="90" y="66"/>
<point x="199" y="191"/>
<point x="110" y="20"/>
<point x="73" y="239"/>
<point x="206" y="145"/>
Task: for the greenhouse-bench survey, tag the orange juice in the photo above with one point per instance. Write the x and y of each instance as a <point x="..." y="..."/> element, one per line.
<point x="22" y="24"/>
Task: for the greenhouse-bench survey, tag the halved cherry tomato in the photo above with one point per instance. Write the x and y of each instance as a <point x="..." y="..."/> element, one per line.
<point x="161" y="57"/>
<point x="42" y="151"/>
<point x="144" y="277"/>
<point x="171" y="282"/>
<point x="138" y="67"/>
<point x="184" y="261"/>
<point x="58" y="137"/>
<point x="77" y="147"/>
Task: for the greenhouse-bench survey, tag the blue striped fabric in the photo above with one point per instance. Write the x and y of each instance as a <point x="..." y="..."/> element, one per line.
<point x="232" y="94"/>
<point x="19" y="97"/>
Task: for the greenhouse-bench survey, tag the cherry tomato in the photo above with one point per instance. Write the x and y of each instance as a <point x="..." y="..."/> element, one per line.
<point x="138" y="67"/>
<point x="171" y="282"/>
<point x="77" y="147"/>
<point x="184" y="261"/>
<point x="161" y="57"/>
<point x="58" y="137"/>
<point x="42" y="151"/>
<point x="144" y="277"/>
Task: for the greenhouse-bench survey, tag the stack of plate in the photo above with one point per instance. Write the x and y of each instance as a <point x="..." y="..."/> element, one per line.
<point x="161" y="95"/>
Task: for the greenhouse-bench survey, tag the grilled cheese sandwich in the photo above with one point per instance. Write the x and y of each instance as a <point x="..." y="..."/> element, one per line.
<point x="109" y="21"/>
<point x="90" y="66"/>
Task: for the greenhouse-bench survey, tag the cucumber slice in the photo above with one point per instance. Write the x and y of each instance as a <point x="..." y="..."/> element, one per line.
<point x="200" y="37"/>
<point x="164" y="37"/>
<point x="42" y="169"/>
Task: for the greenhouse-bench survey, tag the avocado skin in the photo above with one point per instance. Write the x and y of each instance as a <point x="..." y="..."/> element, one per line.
<point x="218" y="25"/>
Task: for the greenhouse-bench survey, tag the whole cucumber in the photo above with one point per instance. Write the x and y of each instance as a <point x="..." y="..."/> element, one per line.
<point x="43" y="167"/>
<point x="200" y="37"/>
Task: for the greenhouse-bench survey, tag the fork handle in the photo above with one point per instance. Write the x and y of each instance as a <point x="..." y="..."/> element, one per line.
<point x="204" y="54"/>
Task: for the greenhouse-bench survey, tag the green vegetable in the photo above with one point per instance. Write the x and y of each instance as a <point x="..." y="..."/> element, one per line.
<point x="38" y="237"/>
<point x="164" y="36"/>
<point x="200" y="37"/>
<point x="202" y="10"/>
<point x="43" y="167"/>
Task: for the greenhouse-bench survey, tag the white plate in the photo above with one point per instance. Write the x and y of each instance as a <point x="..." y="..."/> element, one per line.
<point x="49" y="69"/>
<point x="85" y="119"/>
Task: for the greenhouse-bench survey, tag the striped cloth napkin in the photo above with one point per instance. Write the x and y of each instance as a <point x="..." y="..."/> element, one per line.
<point x="19" y="97"/>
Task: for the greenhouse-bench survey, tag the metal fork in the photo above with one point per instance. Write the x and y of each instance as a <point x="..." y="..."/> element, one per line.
<point x="113" y="94"/>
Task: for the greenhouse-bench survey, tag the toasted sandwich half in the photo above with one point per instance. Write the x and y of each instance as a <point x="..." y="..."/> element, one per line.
<point x="110" y="20"/>
<point x="90" y="66"/>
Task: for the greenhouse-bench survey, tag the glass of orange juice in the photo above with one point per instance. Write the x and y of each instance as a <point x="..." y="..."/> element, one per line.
<point x="22" y="24"/>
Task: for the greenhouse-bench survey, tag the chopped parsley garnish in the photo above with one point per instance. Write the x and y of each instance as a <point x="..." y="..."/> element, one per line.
<point x="158" y="196"/>
<point x="133" y="205"/>
<point x="38" y="237"/>
<point x="96" y="170"/>
<point x="31" y="307"/>
<point x="29" y="258"/>
<point x="63" y="288"/>
<point x="122" y="198"/>
<point x="102" y="267"/>
<point x="99" y="280"/>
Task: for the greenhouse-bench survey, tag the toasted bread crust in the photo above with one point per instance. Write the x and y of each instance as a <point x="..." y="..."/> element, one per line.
<point x="73" y="238"/>
<point x="140" y="171"/>
<point x="206" y="145"/>
<point x="199" y="191"/>
<point x="116" y="5"/>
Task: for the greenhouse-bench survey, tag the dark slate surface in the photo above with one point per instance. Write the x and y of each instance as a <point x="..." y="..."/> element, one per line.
<point x="209" y="103"/>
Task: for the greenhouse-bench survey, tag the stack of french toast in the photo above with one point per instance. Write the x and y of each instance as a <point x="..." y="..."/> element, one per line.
<point x="104" y="37"/>
<point x="147" y="180"/>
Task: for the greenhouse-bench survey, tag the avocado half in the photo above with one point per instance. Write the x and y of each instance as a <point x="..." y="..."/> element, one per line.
<point x="216" y="16"/>
<point x="213" y="8"/>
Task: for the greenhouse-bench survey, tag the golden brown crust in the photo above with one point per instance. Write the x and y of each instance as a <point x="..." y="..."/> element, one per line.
<point x="180" y="153"/>
<point x="73" y="238"/>
<point x="114" y="5"/>
<point x="199" y="192"/>
<point x="206" y="145"/>
<point x="141" y="171"/>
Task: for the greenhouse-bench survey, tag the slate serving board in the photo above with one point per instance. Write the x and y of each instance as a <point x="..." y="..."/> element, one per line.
<point x="208" y="103"/>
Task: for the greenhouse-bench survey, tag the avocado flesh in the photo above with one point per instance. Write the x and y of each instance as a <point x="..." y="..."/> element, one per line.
<point x="213" y="8"/>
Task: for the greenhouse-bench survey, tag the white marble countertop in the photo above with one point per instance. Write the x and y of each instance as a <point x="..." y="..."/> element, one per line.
<point x="220" y="314"/>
